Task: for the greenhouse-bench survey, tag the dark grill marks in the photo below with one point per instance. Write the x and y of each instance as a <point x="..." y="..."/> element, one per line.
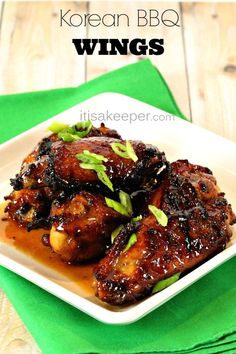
<point x="197" y="229"/>
<point x="17" y="182"/>
<point x="45" y="146"/>
<point x="203" y="187"/>
<point x="184" y="226"/>
<point x="24" y="208"/>
<point x="30" y="168"/>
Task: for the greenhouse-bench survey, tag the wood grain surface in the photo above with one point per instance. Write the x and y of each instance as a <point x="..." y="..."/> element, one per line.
<point x="199" y="65"/>
<point x="209" y="32"/>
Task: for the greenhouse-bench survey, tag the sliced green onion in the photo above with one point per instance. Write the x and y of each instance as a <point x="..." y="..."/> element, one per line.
<point x="130" y="151"/>
<point x="120" y="150"/>
<point x="67" y="137"/>
<point x="116" y="232"/>
<point x="137" y="218"/>
<point x="124" y="207"/>
<point x="82" y="157"/>
<point x="96" y="157"/>
<point x="116" y="206"/>
<point x="57" y="127"/>
<point x="71" y="133"/>
<point x="126" y="151"/>
<point x="105" y="179"/>
<point x="91" y="161"/>
<point x="83" y="128"/>
<point x="92" y="166"/>
<point x="159" y="215"/>
<point x="162" y="284"/>
<point x="131" y="242"/>
<point x="89" y="157"/>
<point x="126" y="202"/>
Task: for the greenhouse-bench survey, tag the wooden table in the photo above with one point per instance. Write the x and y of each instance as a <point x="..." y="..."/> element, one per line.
<point x="199" y="65"/>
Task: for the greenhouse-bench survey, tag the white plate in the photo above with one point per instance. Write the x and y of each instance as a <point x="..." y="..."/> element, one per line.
<point x="179" y="139"/>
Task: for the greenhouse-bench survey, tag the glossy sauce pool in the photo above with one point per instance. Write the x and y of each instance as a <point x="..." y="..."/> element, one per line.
<point x="30" y="244"/>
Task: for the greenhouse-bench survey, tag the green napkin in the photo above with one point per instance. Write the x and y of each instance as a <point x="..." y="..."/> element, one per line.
<point x="202" y="319"/>
<point x="142" y="81"/>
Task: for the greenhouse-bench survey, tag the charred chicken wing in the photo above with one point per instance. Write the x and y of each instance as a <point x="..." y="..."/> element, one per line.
<point x="81" y="226"/>
<point x="33" y="168"/>
<point x="65" y="170"/>
<point x="198" y="227"/>
<point x="61" y="169"/>
<point x="30" y="207"/>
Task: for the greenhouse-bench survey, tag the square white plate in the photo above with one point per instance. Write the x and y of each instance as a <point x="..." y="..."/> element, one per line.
<point x="178" y="138"/>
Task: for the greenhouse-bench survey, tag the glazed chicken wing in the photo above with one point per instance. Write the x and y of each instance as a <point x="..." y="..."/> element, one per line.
<point x="199" y="220"/>
<point x="82" y="226"/>
<point x="60" y="169"/>
<point x="30" y="202"/>
<point x="30" y="207"/>
<point x="64" y="168"/>
<point x="34" y="165"/>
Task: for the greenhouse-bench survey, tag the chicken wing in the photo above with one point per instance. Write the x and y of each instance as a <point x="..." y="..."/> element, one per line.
<point x="35" y="164"/>
<point x="30" y="207"/>
<point x="29" y="203"/>
<point x="65" y="171"/>
<point x="199" y="220"/>
<point x="82" y="226"/>
<point x="60" y="169"/>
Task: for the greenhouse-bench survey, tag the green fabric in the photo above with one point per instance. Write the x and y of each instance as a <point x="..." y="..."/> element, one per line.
<point x="202" y="319"/>
<point x="141" y="81"/>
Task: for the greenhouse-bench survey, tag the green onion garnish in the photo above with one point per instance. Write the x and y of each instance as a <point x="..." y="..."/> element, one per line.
<point x="131" y="242"/>
<point x="92" y="166"/>
<point x="96" y="157"/>
<point x="126" y="202"/>
<point x="105" y="179"/>
<point x="116" y="206"/>
<point x="83" y="128"/>
<point x="162" y="284"/>
<point x="130" y="151"/>
<point x="116" y="232"/>
<point x="120" y="227"/>
<point x="89" y="157"/>
<point x="91" y="161"/>
<point x="57" y="127"/>
<point x="71" y="133"/>
<point x="67" y="137"/>
<point x="124" y="207"/>
<point x="159" y="215"/>
<point x="137" y="218"/>
<point x="126" y="151"/>
<point x="120" y="150"/>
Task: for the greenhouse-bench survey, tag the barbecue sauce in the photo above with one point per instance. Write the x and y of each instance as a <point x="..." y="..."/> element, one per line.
<point x="30" y="243"/>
